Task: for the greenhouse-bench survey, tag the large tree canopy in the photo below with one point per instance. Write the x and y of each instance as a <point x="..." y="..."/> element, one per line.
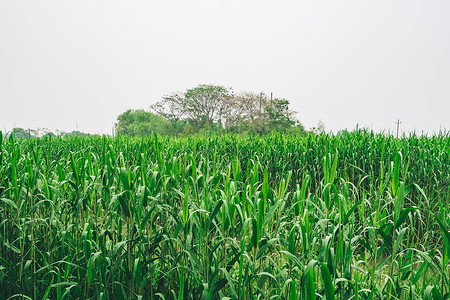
<point x="201" y="103"/>
<point x="140" y="122"/>
<point x="244" y="111"/>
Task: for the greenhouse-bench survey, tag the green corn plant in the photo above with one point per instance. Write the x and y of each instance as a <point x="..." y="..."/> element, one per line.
<point x="316" y="216"/>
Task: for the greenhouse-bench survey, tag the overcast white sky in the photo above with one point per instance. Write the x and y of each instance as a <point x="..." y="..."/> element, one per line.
<point x="79" y="64"/>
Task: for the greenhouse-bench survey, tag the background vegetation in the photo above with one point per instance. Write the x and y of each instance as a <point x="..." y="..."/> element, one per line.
<point x="203" y="109"/>
<point x="211" y="109"/>
<point x="352" y="216"/>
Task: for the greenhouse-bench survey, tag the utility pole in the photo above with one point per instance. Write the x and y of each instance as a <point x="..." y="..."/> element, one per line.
<point x="260" y="100"/>
<point x="398" y="125"/>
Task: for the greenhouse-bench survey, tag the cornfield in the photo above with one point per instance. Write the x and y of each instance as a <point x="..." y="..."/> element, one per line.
<point x="356" y="215"/>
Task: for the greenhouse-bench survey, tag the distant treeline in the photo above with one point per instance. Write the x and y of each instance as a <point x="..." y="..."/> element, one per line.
<point x="211" y="109"/>
<point x="40" y="132"/>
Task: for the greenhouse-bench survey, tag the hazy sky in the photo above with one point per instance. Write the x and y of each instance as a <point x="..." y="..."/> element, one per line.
<point x="79" y="64"/>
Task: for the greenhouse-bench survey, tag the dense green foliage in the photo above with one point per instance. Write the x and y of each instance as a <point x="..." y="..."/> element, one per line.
<point x="352" y="216"/>
<point x="140" y="122"/>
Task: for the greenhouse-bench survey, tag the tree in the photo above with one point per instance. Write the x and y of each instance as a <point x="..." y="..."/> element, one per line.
<point x="206" y="101"/>
<point x="171" y="107"/>
<point x="140" y="122"/>
<point x="23" y="133"/>
<point x="244" y="111"/>
<point x="319" y="128"/>
<point x="203" y="104"/>
<point x="280" y="117"/>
